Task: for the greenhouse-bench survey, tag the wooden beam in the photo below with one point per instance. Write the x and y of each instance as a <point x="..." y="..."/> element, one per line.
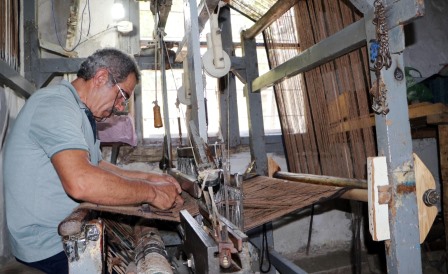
<point x="60" y="65"/>
<point x="254" y="109"/>
<point x="15" y="81"/>
<point x="343" y="42"/>
<point x="321" y="179"/>
<point x="275" y="12"/>
<point x="434" y="114"/>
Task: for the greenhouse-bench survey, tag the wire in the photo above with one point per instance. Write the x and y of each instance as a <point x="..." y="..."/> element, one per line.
<point x="80" y="31"/>
<point x="165" y="48"/>
<point x="169" y="62"/>
<point x="310" y="230"/>
<point x="265" y="251"/>
<point x="208" y="11"/>
<point x="228" y="121"/>
<point x="156" y="45"/>
<point x="96" y="34"/>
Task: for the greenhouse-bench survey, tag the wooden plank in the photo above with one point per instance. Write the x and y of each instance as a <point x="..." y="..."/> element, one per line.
<point x="437" y="119"/>
<point x="424" y="181"/>
<point x="361" y="122"/>
<point x="11" y="78"/>
<point x="378" y="213"/>
<point x="437" y="112"/>
<point x="338" y="108"/>
<point x="343" y="42"/>
<point x="426" y="109"/>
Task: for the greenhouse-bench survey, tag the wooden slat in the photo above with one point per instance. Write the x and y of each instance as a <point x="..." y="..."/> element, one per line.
<point x="338" y="109"/>
<point x="435" y="112"/>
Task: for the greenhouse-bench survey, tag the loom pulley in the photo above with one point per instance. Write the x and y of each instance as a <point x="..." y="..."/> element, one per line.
<point x="215" y="60"/>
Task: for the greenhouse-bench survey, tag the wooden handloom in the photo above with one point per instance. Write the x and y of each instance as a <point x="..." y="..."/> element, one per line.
<point x="265" y="199"/>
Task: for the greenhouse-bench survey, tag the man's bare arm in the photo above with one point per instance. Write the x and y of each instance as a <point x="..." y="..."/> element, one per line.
<point x="149" y="176"/>
<point x="86" y="182"/>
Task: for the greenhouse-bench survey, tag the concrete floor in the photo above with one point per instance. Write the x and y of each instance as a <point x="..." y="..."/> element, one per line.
<point x="340" y="263"/>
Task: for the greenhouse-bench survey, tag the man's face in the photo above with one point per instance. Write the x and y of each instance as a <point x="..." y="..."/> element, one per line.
<point x="114" y="97"/>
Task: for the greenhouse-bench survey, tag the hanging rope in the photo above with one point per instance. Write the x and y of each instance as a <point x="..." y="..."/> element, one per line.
<point x="156" y="109"/>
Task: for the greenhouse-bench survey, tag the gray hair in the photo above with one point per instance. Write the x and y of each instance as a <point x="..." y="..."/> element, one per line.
<point x="118" y="63"/>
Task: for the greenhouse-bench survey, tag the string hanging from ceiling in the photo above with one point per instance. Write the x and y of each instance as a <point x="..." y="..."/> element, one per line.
<point x="318" y="108"/>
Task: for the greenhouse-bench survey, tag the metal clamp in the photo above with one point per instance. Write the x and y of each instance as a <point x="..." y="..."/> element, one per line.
<point x="76" y="244"/>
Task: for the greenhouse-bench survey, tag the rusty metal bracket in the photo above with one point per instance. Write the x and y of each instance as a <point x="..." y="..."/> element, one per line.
<point x="74" y="245"/>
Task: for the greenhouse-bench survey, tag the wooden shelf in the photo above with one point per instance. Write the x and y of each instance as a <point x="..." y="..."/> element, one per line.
<point x="420" y="115"/>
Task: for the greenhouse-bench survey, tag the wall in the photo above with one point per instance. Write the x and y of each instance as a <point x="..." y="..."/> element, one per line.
<point x="96" y="31"/>
<point x="427" y="39"/>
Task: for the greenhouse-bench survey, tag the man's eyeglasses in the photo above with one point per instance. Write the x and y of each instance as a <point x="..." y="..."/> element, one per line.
<point x="123" y="93"/>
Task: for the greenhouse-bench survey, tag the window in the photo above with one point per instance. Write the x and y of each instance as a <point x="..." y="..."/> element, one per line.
<point x="174" y="80"/>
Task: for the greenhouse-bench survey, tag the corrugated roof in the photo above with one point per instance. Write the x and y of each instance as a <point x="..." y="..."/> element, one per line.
<point x="253" y="9"/>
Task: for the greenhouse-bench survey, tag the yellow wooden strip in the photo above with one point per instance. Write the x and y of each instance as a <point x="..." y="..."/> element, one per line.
<point x="415" y="111"/>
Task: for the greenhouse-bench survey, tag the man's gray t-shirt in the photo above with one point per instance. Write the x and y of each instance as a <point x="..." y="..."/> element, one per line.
<point x="52" y="120"/>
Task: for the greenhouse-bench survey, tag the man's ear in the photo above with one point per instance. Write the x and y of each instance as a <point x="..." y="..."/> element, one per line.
<point x="101" y="77"/>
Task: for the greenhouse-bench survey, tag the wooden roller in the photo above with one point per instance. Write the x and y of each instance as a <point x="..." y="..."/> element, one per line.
<point x="74" y="222"/>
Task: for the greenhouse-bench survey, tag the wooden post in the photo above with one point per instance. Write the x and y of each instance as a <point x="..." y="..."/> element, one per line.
<point x="443" y="158"/>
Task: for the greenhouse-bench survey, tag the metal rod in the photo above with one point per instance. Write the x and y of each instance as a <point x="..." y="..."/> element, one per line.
<point x="166" y="117"/>
<point x="321" y="179"/>
<point x="275" y="12"/>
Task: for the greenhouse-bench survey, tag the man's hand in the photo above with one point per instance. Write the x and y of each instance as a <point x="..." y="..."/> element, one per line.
<point x="162" y="177"/>
<point x="166" y="195"/>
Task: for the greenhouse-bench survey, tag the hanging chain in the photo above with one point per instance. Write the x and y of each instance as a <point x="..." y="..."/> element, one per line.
<point x="380" y="56"/>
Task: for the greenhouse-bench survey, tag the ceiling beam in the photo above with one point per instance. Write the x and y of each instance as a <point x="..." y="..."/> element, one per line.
<point x="60" y="65"/>
<point x="275" y="12"/>
<point x="163" y="9"/>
